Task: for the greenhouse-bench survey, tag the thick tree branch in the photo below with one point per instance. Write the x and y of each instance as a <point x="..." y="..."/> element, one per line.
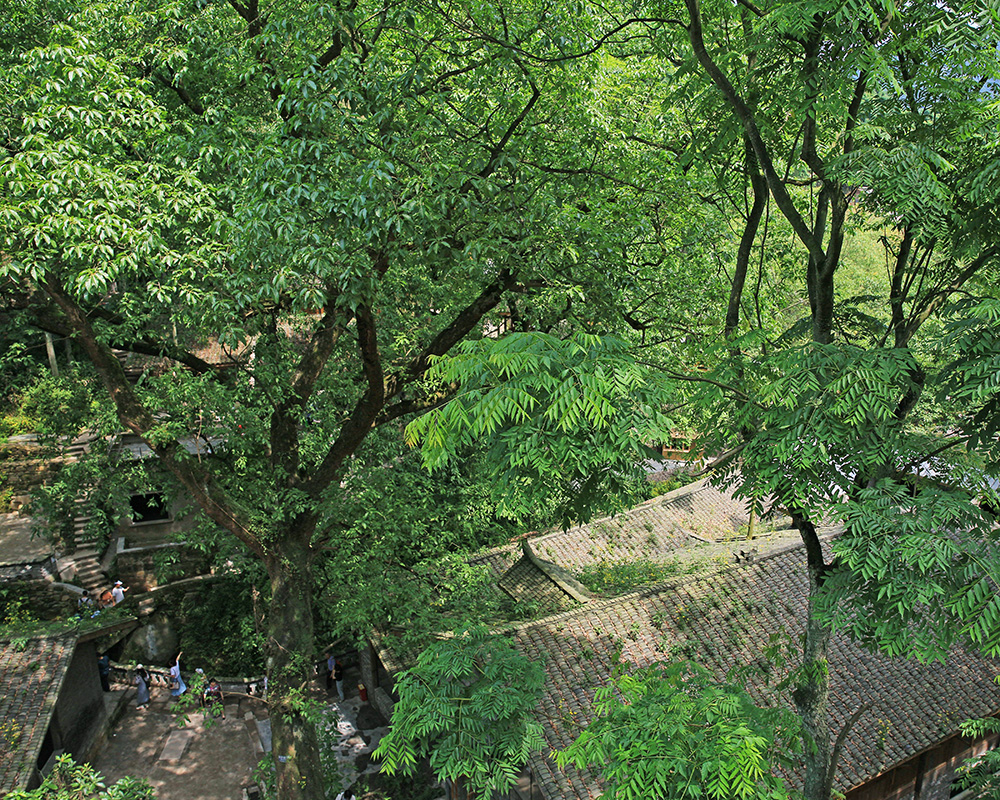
<point x="839" y="744"/>
<point x="466" y="320"/>
<point x="284" y="433"/>
<point x="192" y="103"/>
<point x="746" y="116"/>
<point x="145" y="347"/>
<point x="362" y="418"/>
<point x="758" y="185"/>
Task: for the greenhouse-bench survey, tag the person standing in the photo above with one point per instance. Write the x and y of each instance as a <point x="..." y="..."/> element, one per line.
<point x="85" y="603"/>
<point x="177" y="685"/>
<point x="330" y="663"/>
<point x="142" y="685"/>
<point x="118" y="593"/>
<point x="338" y="676"/>
<point x="104" y="670"/>
<point x="213" y="696"/>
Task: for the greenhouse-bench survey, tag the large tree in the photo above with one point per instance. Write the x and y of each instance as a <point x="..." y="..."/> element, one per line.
<point x="332" y="194"/>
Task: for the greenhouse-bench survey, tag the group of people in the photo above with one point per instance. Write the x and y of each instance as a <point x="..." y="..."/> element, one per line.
<point x="211" y="695"/>
<point x="107" y="599"/>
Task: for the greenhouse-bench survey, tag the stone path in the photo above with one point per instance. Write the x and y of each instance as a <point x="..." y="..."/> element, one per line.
<point x="196" y="762"/>
<point x="17" y="545"/>
<point x="355" y="731"/>
<point x="217" y="761"/>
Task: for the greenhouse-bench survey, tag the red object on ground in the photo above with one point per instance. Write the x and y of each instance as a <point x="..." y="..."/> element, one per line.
<point x="362" y="692"/>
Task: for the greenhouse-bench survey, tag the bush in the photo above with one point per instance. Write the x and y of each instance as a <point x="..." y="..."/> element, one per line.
<point x="15" y="423"/>
<point x="14" y="607"/>
<point x="61" y="405"/>
<point x="71" y="781"/>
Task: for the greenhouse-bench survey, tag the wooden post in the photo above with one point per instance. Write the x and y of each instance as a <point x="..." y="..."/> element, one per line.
<point x="50" y="348"/>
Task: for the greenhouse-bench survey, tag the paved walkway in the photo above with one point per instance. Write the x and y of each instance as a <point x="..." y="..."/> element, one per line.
<point x="17" y="545"/>
<point x="217" y="761"/>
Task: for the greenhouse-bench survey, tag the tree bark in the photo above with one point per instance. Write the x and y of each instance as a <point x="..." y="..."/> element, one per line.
<point x="289" y="666"/>
<point x="812" y="686"/>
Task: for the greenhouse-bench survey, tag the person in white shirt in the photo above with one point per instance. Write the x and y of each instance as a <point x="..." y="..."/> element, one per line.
<point x="118" y="593"/>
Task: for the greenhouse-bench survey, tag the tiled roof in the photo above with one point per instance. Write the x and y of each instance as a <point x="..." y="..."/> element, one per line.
<point x="30" y="679"/>
<point x="725" y="619"/>
<point x="653" y="530"/>
<point x="525" y="582"/>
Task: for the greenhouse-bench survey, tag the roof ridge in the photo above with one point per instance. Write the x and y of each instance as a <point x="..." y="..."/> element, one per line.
<point x="650" y="589"/>
<point x="645" y="505"/>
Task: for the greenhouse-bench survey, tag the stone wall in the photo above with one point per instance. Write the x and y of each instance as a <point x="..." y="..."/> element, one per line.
<point x="23" y="468"/>
<point x="376" y="680"/>
<point x="33" y="583"/>
<point x="80" y="712"/>
<point x="142" y="569"/>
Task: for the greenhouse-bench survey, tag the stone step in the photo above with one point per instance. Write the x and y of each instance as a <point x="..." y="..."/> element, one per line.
<point x="89" y="575"/>
<point x="176" y="744"/>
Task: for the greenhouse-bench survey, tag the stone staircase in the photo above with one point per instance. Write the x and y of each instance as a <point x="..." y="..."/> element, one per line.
<point x="89" y="573"/>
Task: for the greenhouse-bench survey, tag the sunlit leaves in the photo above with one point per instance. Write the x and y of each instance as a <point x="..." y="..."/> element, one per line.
<point x="558" y="416"/>
<point x="91" y="192"/>
<point x="71" y="781"/>
<point x="815" y="417"/>
<point x="972" y="375"/>
<point x="466" y="705"/>
<point x="675" y="733"/>
<point x="917" y="568"/>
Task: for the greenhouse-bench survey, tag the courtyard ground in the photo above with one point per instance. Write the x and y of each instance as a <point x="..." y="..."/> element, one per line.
<point x="217" y="761"/>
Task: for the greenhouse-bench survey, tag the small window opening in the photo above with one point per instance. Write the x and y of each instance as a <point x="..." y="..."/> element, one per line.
<point x="150" y="507"/>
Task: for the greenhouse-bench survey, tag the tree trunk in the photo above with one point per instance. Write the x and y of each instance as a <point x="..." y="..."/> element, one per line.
<point x="812" y="686"/>
<point x="811" y="697"/>
<point x="289" y="669"/>
<point x="50" y="349"/>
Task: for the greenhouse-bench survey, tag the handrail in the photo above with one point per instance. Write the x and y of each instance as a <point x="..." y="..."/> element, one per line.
<point x="124" y="674"/>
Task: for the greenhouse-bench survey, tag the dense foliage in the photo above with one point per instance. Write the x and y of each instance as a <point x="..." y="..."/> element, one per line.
<point x="71" y="781"/>
<point x="305" y="225"/>
<point x="466" y="705"/>
<point x="676" y="732"/>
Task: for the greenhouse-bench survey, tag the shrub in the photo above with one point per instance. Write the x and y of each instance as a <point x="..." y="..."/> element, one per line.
<point x="15" y="423"/>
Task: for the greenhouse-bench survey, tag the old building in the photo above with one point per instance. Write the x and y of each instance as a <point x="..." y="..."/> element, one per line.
<point x="50" y="703"/>
<point x="729" y="597"/>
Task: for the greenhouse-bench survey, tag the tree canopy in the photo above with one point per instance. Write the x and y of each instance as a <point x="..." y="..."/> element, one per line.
<point x="558" y="231"/>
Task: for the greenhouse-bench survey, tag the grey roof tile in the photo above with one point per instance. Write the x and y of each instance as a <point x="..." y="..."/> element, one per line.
<point x="727" y="618"/>
<point x="30" y="679"/>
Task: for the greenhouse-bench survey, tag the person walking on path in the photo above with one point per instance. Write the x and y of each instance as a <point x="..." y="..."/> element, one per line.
<point x="177" y="685"/>
<point x="338" y="677"/>
<point x="104" y="669"/>
<point x="118" y="593"/>
<point x="142" y="684"/>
